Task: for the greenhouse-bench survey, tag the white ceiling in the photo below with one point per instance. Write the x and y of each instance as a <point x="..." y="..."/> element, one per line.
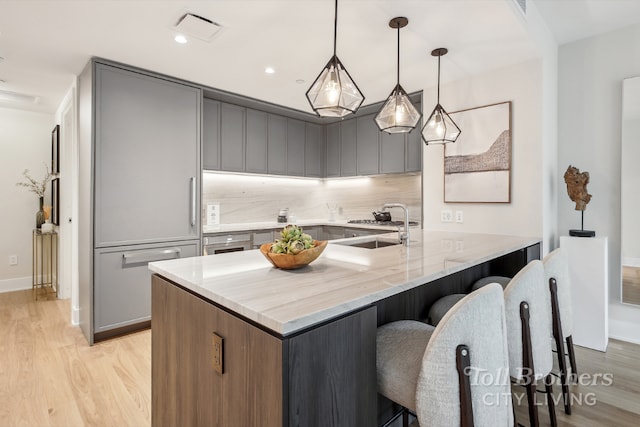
<point x="46" y="43"/>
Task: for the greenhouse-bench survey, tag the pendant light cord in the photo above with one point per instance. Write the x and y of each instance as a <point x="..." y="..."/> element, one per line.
<point x="440" y="56"/>
<point x="398" y="62"/>
<point x="335" y="28"/>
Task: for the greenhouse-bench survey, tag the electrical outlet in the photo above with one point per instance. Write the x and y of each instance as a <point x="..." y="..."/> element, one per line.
<point x="13" y="259"/>
<point x="446" y="215"/>
<point x="459" y="217"/>
<point x="218" y="353"/>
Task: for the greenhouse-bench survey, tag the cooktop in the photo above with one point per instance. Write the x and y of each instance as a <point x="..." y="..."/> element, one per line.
<point x="374" y="222"/>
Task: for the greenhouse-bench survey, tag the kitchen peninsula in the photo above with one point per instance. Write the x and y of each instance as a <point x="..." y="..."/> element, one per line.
<point x="298" y="346"/>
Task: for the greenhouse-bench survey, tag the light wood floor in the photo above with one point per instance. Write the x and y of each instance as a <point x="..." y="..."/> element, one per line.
<point x="49" y="376"/>
<point x="631" y="284"/>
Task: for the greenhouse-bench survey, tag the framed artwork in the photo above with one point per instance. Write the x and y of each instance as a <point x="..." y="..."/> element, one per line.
<point x="55" y="150"/>
<point x="55" y="201"/>
<point x="477" y="168"/>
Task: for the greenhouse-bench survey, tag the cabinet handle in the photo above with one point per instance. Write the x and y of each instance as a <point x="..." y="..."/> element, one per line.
<point x="150" y="256"/>
<point x="193" y="201"/>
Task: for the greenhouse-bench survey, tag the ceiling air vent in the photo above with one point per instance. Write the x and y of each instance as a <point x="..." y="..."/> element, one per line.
<point x="197" y="26"/>
<point x="522" y="6"/>
<point x="6" y="95"/>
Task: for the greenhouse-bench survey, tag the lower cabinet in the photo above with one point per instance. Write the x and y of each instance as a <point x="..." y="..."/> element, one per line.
<point x="325" y="376"/>
<point x="357" y="232"/>
<point x="122" y="294"/>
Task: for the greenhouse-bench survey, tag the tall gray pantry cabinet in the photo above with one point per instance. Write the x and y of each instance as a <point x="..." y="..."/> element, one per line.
<point x="139" y="195"/>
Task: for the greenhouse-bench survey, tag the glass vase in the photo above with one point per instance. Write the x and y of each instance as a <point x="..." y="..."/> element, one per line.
<point x="40" y="214"/>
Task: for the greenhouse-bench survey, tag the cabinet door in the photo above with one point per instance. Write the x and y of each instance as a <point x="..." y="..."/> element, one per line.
<point x="147" y="158"/>
<point x="332" y="161"/>
<point x="392" y="153"/>
<point x="367" y="145"/>
<point x="186" y="389"/>
<point x="277" y="144"/>
<point x="295" y="147"/>
<point x="313" y="151"/>
<point x="122" y="286"/>
<point x="256" y="157"/>
<point x="211" y="135"/>
<point x="413" y="162"/>
<point x="348" y="133"/>
<point x="232" y="137"/>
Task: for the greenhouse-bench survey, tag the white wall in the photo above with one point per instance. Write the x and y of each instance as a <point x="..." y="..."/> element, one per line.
<point x="589" y="133"/>
<point x="25" y="143"/>
<point x="520" y="84"/>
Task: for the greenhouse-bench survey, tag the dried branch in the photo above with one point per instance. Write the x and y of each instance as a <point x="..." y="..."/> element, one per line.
<point x="34" y="186"/>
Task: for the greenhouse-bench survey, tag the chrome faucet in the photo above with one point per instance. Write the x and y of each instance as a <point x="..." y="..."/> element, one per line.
<point x="402" y="236"/>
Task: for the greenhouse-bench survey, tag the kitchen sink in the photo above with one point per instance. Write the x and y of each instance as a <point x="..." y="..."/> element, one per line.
<point x="369" y="243"/>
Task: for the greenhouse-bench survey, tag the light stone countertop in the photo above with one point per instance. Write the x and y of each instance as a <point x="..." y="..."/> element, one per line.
<point x="342" y="279"/>
<point x="228" y="228"/>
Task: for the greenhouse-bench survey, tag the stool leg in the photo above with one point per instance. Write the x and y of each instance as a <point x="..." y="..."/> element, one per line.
<point x="552" y="407"/>
<point x="572" y="357"/>
<point x="405" y="418"/>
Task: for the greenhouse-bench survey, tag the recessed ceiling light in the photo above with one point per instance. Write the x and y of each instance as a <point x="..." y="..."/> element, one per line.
<point x="269" y="70"/>
<point x="300" y="81"/>
<point x="180" y="39"/>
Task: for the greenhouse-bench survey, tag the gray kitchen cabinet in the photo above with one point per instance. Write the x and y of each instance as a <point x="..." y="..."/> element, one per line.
<point x="392" y="152"/>
<point x="358" y="232"/>
<point x="348" y="159"/>
<point x="332" y="158"/>
<point x="313" y="151"/>
<point x="277" y="145"/>
<point x="122" y="288"/>
<point x="232" y="137"/>
<point x="146" y="158"/>
<point x="295" y="147"/>
<point x="367" y="145"/>
<point x="331" y="232"/>
<point x="139" y="145"/>
<point x="211" y="135"/>
<point x="413" y="162"/>
<point x="260" y="237"/>
<point x="256" y="142"/>
<point x="313" y="231"/>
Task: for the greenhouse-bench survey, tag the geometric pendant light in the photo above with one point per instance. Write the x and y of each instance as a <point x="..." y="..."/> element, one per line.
<point x="440" y="128"/>
<point x="398" y="114"/>
<point x="334" y="93"/>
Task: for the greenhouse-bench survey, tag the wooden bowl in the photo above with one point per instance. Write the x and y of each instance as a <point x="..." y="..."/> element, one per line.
<point x="291" y="262"/>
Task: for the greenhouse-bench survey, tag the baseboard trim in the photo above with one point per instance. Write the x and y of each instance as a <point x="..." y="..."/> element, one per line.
<point x="630" y="262"/>
<point x="75" y="316"/>
<point x="16" y="284"/>
<point x="624" y="331"/>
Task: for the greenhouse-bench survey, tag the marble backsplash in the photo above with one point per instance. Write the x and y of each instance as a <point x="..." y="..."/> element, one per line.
<point x="258" y="198"/>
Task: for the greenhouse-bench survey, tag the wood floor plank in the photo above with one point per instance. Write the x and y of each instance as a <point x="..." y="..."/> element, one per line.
<point x="50" y="376"/>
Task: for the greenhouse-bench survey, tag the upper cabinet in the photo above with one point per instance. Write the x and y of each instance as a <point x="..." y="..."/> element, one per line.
<point x="239" y="139"/>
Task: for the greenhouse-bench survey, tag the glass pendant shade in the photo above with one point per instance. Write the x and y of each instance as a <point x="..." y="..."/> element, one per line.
<point x="333" y="93"/>
<point x="440" y="128"/>
<point x="398" y="115"/>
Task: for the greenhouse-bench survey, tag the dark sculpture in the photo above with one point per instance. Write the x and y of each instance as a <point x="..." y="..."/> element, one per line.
<point x="577" y="188"/>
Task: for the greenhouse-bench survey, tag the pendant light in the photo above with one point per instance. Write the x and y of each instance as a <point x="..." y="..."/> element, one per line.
<point x="440" y="128"/>
<point x="334" y="93"/>
<point x="398" y="115"/>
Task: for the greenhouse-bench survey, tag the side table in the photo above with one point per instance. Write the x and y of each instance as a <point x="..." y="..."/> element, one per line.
<point x="44" y="263"/>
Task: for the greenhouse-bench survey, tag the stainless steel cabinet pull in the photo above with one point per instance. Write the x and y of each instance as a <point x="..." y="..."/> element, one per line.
<point x="193" y="201"/>
<point x="150" y="256"/>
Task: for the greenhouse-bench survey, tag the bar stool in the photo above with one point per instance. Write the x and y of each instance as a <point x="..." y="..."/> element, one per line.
<point x="435" y="371"/>
<point x="528" y="320"/>
<point x="556" y="269"/>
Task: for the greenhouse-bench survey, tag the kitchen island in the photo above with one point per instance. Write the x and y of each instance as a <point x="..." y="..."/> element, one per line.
<point x="298" y="346"/>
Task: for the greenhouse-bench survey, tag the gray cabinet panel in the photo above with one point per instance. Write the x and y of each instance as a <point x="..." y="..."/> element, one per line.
<point x="147" y="158"/>
<point x="414" y="151"/>
<point x="367" y="145"/>
<point x="348" y="134"/>
<point x="122" y="287"/>
<point x="332" y="158"/>
<point x="256" y="156"/>
<point x="295" y="147"/>
<point x="392" y="153"/>
<point x="313" y="151"/>
<point x="277" y="144"/>
<point x="232" y="137"/>
<point x="211" y="135"/>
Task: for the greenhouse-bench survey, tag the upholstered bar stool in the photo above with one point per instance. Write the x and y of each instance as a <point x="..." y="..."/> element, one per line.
<point x="441" y="306"/>
<point x="556" y="269"/>
<point x="528" y="320"/>
<point x="435" y="371"/>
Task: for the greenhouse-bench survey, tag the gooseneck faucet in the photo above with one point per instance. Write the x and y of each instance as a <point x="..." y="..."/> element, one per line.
<point x="404" y="235"/>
